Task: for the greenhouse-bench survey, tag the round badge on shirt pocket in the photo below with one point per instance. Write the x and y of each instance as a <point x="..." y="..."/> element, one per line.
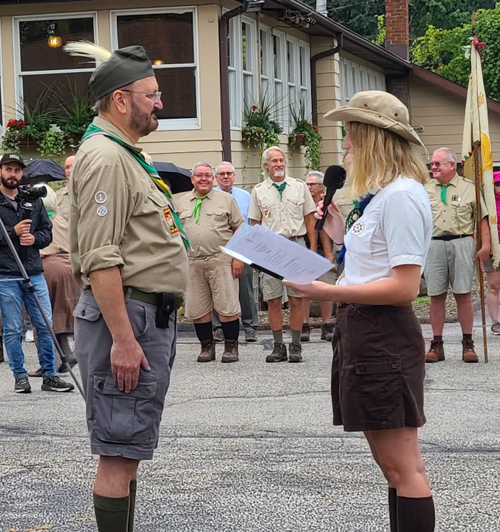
<point x="358" y="228"/>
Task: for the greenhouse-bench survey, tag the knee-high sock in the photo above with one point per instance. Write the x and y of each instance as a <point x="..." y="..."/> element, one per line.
<point x="131" y="513"/>
<point x="111" y="513"/>
<point x="231" y="329"/>
<point x="204" y="331"/>
<point x="416" y="515"/>
<point x="393" y="509"/>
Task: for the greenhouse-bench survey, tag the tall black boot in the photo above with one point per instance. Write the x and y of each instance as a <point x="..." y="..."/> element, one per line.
<point x="111" y="513"/>
<point x="393" y="509"/>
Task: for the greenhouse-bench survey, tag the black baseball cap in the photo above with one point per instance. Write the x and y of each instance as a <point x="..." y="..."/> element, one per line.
<point x="12" y="158"/>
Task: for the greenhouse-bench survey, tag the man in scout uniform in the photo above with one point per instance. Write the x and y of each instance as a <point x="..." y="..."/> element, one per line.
<point x="128" y="251"/>
<point x="450" y="261"/>
<point x="225" y="174"/>
<point x="284" y="205"/>
<point x="210" y="218"/>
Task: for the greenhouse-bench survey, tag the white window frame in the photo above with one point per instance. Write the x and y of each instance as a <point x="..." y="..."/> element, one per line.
<point x="251" y="60"/>
<point x="281" y="102"/>
<point x="235" y="97"/>
<point x="294" y="73"/>
<point x="266" y="71"/>
<point x="306" y="89"/>
<point x="2" y="95"/>
<point x="165" y="124"/>
<point x="19" y="74"/>
<point x="355" y="77"/>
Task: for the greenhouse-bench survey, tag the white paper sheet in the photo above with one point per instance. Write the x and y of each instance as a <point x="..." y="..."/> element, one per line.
<point x="260" y="246"/>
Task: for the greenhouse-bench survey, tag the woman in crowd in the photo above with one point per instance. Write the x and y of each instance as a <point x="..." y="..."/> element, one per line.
<point x="493" y="274"/>
<point x="379" y="352"/>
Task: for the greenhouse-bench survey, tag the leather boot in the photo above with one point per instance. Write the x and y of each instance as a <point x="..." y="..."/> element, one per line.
<point x="436" y="352"/>
<point x="295" y="353"/>
<point x="327" y="331"/>
<point x="207" y="353"/>
<point x="230" y="351"/>
<point x="306" y="332"/>
<point x="278" y="354"/>
<point x="468" y="353"/>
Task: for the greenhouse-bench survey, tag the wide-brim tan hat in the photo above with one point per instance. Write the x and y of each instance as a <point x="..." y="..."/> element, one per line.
<point x="380" y="109"/>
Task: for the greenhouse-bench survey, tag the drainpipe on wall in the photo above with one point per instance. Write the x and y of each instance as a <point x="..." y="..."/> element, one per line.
<point x="224" y="80"/>
<point x="314" y="60"/>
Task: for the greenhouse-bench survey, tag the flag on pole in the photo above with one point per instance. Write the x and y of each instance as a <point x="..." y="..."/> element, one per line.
<point x="476" y="129"/>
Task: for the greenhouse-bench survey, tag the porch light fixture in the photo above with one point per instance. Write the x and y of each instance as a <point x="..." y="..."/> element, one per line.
<point x="54" y="41"/>
<point x="253" y="6"/>
<point x="158" y="62"/>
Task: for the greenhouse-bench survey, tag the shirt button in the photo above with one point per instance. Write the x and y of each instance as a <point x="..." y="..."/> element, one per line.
<point x="394" y="365"/>
<point x="100" y="385"/>
<point x="83" y="312"/>
<point x="362" y="368"/>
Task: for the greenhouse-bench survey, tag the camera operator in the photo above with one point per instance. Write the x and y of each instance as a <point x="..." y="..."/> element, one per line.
<point x="30" y="230"/>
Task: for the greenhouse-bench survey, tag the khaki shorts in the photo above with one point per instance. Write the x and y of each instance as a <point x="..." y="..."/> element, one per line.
<point x="378" y="368"/>
<point x="119" y="423"/>
<point x="329" y="277"/>
<point x="450" y="263"/>
<point x="211" y="286"/>
<point x="488" y="267"/>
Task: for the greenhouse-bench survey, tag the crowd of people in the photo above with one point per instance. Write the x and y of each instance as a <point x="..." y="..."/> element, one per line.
<point x="99" y="250"/>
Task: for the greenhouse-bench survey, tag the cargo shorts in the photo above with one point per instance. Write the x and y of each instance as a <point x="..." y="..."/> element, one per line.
<point x="119" y="423"/>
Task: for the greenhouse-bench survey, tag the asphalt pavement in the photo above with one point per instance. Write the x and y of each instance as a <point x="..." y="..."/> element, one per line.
<point x="250" y="447"/>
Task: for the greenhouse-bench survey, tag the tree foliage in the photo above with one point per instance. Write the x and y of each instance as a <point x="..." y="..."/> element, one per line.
<point x="442" y="50"/>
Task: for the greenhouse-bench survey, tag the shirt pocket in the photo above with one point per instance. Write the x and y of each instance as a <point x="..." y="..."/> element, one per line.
<point x="218" y="218"/>
<point x="158" y="207"/>
<point x="359" y="239"/>
<point x="295" y="207"/>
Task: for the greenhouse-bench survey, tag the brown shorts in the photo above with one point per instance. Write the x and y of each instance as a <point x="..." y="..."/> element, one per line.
<point x="378" y="368"/>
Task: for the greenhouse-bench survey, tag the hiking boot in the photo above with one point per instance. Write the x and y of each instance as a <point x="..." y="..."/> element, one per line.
<point x="278" y="354"/>
<point x="22" y="385"/>
<point x="495" y="328"/>
<point x="218" y="335"/>
<point x="436" y="352"/>
<point x="306" y="332"/>
<point x="250" y="335"/>
<point x="230" y="351"/>
<point x="207" y="353"/>
<point x="327" y="331"/>
<point x="468" y="353"/>
<point x="38" y="373"/>
<point x="56" y="384"/>
<point x="295" y="353"/>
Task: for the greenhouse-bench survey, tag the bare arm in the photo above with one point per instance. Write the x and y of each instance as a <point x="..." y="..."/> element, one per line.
<point x="312" y="234"/>
<point x="254" y="222"/>
<point x="483" y="254"/>
<point x="127" y="355"/>
<point x="400" y="289"/>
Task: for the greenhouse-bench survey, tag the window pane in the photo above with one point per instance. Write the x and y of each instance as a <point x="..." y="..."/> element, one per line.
<point x="277" y="57"/>
<point x="36" y="54"/>
<point x="166" y="37"/>
<point x="50" y="90"/>
<point x="178" y="87"/>
<point x="248" y="97"/>
<point x="230" y="53"/>
<point x="303" y="67"/>
<point x="291" y="61"/>
<point x="245" y="34"/>
<point x="263" y="51"/>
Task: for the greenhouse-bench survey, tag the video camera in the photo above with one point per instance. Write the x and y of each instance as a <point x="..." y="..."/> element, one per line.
<point x="26" y="195"/>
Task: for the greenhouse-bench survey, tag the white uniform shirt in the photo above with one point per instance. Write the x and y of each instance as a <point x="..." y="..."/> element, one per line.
<point x="395" y="229"/>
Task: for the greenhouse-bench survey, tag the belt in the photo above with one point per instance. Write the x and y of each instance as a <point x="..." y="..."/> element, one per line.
<point x="447" y="238"/>
<point x="148" y="297"/>
<point x="294" y="238"/>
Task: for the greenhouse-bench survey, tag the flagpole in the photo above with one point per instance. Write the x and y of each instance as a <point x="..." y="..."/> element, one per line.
<point x="479" y="238"/>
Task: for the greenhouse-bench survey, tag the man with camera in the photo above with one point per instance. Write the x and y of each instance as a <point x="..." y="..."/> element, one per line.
<point x="30" y="230"/>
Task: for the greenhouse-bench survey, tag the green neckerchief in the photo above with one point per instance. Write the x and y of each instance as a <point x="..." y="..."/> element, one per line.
<point x="149" y="168"/>
<point x="197" y="207"/>
<point x="444" y="186"/>
<point x="280" y="188"/>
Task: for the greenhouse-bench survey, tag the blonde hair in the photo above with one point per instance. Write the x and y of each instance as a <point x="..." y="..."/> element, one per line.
<point x="379" y="158"/>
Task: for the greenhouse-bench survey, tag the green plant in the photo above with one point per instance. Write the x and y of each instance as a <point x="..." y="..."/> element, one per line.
<point x="311" y="137"/>
<point x="53" y="143"/>
<point x="38" y="117"/>
<point x="14" y="133"/>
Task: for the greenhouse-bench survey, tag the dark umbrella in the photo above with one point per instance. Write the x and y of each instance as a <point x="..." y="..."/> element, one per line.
<point x="178" y="179"/>
<point x="42" y="171"/>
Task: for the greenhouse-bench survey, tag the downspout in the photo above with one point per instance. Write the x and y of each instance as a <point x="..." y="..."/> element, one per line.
<point x="314" y="60"/>
<point x="224" y="80"/>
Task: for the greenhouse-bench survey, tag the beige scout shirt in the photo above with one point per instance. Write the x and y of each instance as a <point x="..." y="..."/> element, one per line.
<point x="219" y="218"/>
<point x="118" y="217"/>
<point x="342" y="198"/>
<point x="283" y="215"/>
<point x="60" y="237"/>
<point x="63" y="202"/>
<point x="457" y="217"/>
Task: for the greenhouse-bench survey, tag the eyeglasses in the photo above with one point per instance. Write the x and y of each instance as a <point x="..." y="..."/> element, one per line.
<point x="438" y="164"/>
<point x="199" y="176"/>
<point x="313" y="184"/>
<point x="155" y="96"/>
<point x="222" y="174"/>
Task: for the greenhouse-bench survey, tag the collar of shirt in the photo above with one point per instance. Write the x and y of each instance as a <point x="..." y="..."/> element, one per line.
<point x="194" y="197"/>
<point x="110" y="128"/>
<point x="270" y="182"/>
<point x="220" y="190"/>
<point x="452" y="183"/>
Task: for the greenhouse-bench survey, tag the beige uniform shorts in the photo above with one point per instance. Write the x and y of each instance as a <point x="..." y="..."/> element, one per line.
<point x="450" y="263"/>
<point x="211" y="286"/>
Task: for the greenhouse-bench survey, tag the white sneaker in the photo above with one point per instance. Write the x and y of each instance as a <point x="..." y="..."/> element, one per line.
<point x="29" y="337"/>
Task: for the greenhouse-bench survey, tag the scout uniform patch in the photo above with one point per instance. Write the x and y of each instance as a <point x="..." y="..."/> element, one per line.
<point x="172" y="226"/>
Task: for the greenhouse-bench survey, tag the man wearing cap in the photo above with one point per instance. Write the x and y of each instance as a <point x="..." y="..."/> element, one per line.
<point x="225" y="174"/>
<point x="284" y="205"/>
<point x="128" y="250"/>
<point x="453" y="249"/>
<point x="29" y="229"/>
<point x="63" y="193"/>
<point x="211" y="217"/>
